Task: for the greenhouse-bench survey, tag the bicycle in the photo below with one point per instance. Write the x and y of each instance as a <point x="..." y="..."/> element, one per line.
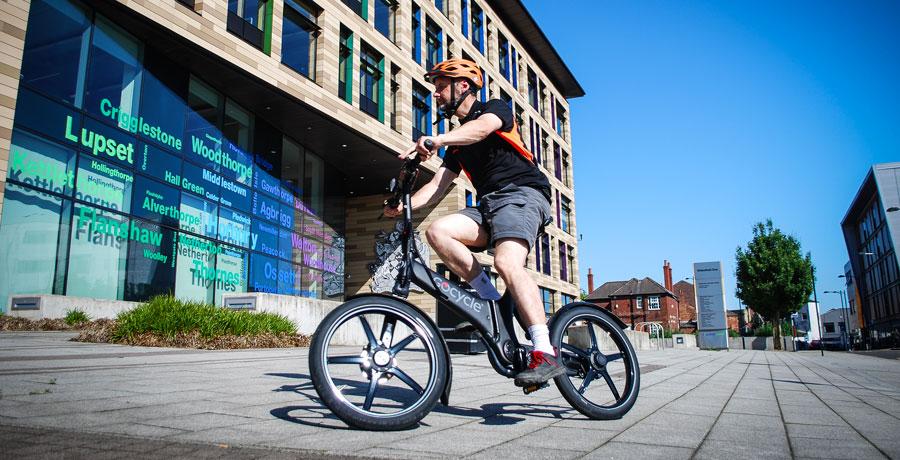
<point x="359" y="386"/>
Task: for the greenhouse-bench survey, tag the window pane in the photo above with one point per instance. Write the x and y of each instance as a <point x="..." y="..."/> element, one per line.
<point x="289" y="276"/>
<point x="231" y="269"/>
<point x="433" y="37"/>
<point x="103" y="184"/>
<point x="50" y="118"/>
<point x="263" y="273"/>
<point x="194" y="259"/>
<point x="234" y="227"/>
<point x="333" y="276"/>
<point x="163" y="87"/>
<point x="160" y="204"/>
<point x="100" y="241"/>
<point x="417" y="34"/>
<point x="312" y="283"/>
<point x="41" y="164"/>
<point x="29" y="232"/>
<point x="200" y="216"/>
<point x="56" y="49"/>
<point x="151" y="270"/>
<point x="236" y="125"/>
<point x="477" y="29"/>
<point x="163" y="166"/>
<point x="205" y="105"/>
<point x="114" y="72"/>
<point x="298" y="43"/>
<point x="383" y="17"/>
<point x="312" y="184"/>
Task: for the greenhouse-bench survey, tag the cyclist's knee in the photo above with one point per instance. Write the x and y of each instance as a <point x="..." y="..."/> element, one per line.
<point x="435" y="233"/>
<point x="507" y="265"/>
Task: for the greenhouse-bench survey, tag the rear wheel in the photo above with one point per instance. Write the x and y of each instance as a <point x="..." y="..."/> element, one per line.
<point x="602" y="374"/>
<point x="377" y="363"/>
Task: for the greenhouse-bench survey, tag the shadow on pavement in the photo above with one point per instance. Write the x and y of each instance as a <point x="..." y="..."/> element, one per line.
<point x="493" y="414"/>
<point x="505" y="413"/>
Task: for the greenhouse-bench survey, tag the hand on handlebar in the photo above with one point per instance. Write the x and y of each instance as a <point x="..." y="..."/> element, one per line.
<point x="424" y="148"/>
<point x="393" y="211"/>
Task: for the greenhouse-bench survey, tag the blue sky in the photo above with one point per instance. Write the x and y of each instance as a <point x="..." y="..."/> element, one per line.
<point x="703" y="118"/>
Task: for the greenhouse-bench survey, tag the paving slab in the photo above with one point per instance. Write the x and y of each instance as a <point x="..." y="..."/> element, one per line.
<point x="109" y="401"/>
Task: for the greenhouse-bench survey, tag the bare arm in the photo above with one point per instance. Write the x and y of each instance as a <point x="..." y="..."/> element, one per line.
<point x="467" y="134"/>
<point x="471" y="132"/>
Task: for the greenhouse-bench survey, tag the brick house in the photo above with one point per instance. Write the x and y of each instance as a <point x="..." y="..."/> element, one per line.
<point x="687" y="311"/>
<point x="734" y="320"/>
<point x="636" y="301"/>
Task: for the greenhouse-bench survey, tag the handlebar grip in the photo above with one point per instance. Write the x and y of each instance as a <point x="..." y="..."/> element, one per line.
<point x="429" y="144"/>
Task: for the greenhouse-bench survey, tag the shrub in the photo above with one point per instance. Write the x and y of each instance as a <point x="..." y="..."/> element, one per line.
<point x="763" y="331"/>
<point x="76" y="316"/>
<point x="733" y="333"/>
<point x="168" y="316"/>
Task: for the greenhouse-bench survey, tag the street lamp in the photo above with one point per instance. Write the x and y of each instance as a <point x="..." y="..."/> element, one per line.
<point x="847" y="281"/>
<point x="844" y="334"/>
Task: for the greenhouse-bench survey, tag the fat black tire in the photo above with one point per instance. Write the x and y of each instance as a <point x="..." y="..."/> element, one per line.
<point x="347" y="411"/>
<point x="565" y="384"/>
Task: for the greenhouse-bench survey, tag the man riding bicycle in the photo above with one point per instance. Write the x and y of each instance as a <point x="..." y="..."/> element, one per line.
<point x="514" y="201"/>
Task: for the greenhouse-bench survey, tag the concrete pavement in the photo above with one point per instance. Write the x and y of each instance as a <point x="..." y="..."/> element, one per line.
<point x="62" y="398"/>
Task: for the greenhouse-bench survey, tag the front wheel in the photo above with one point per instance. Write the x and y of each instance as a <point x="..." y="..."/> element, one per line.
<point x="378" y="363"/>
<point x="602" y="374"/>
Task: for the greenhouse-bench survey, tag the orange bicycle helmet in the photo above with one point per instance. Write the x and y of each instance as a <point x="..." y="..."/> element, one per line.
<point x="457" y="68"/>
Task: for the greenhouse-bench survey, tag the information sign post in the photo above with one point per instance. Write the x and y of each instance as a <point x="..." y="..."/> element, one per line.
<point x="712" y="330"/>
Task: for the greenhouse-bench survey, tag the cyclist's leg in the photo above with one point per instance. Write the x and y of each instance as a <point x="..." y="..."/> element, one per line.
<point x="509" y="260"/>
<point x="451" y="236"/>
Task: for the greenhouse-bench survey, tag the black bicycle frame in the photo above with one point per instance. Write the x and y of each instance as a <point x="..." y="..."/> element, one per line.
<point x="493" y="320"/>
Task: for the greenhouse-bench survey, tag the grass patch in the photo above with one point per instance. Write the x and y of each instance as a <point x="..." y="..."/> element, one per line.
<point x="76" y="316"/>
<point x="169" y="317"/>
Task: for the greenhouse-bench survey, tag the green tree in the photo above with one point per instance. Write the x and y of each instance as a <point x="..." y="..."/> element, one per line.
<point x="773" y="277"/>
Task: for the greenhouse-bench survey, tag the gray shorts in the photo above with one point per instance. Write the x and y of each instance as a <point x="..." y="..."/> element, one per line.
<point x="512" y="212"/>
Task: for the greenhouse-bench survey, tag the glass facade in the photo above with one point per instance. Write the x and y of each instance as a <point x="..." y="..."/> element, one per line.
<point x="130" y="177"/>
<point x="880" y="278"/>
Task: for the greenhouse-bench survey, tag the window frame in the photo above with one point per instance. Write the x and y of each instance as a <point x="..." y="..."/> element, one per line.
<point x="371" y="65"/>
<point x="310" y="21"/>
<point x="434" y="43"/>
<point x="477" y="38"/>
<point x="259" y="37"/>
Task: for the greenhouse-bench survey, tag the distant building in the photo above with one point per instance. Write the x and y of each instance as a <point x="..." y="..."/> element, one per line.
<point x="687" y="310"/>
<point x="734" y="320"/>
<point x="853" y="310"/>
<point x="806" y="325"/>
<point x="638" y="301"/>
<point x="871" y="228"/>
<point x="834" y="328"/>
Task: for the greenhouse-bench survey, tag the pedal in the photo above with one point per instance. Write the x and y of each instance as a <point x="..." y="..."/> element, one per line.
<point x="534" y="388"/>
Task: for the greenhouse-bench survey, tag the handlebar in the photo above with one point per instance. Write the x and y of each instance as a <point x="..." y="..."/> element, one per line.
<point x="414" y="162"/>
<point x="407" y="176"/>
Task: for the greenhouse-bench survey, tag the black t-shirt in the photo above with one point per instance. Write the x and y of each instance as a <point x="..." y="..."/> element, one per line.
<point x="499" y="159"/>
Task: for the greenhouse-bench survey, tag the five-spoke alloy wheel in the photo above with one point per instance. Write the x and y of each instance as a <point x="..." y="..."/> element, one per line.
<point x="361" y="375"/>
<point x="603" y="376"/>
